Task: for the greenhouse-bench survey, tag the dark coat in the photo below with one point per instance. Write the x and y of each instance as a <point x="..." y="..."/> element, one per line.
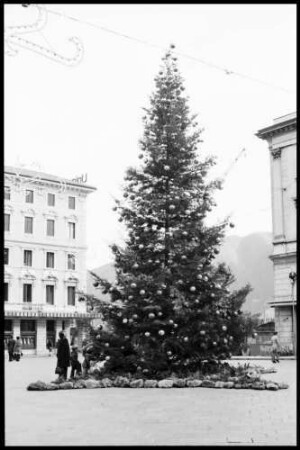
<point x="63" y="353"/>
<point x="11" y="345"/>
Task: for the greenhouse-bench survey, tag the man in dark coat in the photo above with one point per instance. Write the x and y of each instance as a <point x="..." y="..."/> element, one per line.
<point x="63" y="354"/>
<point x="10" y="348"/>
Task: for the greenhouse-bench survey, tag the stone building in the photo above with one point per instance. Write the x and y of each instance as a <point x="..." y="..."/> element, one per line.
<point x="44" y="257"/>
<point x="282" y="140"/>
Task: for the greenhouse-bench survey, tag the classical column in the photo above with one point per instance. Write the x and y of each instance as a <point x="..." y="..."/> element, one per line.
<point x="277" y="195"/>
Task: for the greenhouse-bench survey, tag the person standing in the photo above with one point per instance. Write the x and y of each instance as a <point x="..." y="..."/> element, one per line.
<point x="75" y="364"/>
<point x="63" y="354"/>
<point x="17" y="349"/>
<point x="49" y="347"/>
<point x="10" y="348"/>
<point x="275" y="347"/>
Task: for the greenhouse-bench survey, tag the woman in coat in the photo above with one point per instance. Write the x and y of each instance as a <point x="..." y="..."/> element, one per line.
<point x="63" y="354"/>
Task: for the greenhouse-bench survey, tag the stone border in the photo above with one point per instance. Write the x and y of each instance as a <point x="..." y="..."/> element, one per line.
<point x="124" y="382"/>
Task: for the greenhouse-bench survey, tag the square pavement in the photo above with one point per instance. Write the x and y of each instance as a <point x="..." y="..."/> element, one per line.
<point x="116" y="416"/>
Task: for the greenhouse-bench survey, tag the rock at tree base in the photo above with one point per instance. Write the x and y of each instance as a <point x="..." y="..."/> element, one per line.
<point x="106" y="382"/>
<point x="194" y="383"/>
<point x="208" y="384"/>
<point x="179" y="382"/>
<point x="79" y="384"/>
<point x="228" y="384"/>
<point x="65" y="385"/>
<point x="272" y="386"/>
<point x="165" y="384"/>
<point x="258" y="386"/>
<point x="282" y="385"/>
<point x="137" y="383"/>
<point x="219" y="384"/>
<point x="150" y="384"/>
<point x="121" y="382"/>
<point x="52" y="387"/>
<point x="92" y="384"/>
<point x="37" y="386"/>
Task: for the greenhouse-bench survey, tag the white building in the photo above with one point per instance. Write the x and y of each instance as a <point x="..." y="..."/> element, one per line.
<point x="282" y="141"/>
<point x="44" y="257"/>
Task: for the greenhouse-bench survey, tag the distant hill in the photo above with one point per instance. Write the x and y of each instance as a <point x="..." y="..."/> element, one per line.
<point x="248" y="259"/>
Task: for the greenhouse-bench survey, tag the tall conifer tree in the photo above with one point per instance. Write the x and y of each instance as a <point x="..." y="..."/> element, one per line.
<point x="171" y="307"/>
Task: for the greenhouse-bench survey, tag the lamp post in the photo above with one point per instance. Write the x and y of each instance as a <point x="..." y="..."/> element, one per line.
<point x="293" y="278"/>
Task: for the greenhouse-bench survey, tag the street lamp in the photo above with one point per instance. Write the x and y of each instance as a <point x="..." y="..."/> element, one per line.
<point x="293" y="278"/>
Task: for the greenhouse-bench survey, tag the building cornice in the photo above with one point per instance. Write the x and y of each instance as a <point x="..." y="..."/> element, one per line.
<point x="277" y="128"/>
<point x="283" y="256"/>
<point x="43" y="178"/>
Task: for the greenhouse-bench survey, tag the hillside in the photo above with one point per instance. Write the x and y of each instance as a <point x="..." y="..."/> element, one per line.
<point x="248" y="258"/>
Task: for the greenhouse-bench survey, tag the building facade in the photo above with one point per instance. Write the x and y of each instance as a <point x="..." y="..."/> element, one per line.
<point x="281" y="137"/>
<point x="44" y="258"/>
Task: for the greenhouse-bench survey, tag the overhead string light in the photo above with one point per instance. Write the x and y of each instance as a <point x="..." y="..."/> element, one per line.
<point x="13" y="39"/>
<point x="225" y="70"/>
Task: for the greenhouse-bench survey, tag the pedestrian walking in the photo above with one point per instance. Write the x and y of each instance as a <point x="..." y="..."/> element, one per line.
<point x="18" y="349"/>
<point x="275" y="347"/>
<point x="75" y="364"/>
<point x="10" y="348"/>
<point x="63" y="355"/>
<point x="49" y="347"/>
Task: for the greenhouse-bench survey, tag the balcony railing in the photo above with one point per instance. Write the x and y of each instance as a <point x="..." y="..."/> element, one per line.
<point x="45" y="310"/>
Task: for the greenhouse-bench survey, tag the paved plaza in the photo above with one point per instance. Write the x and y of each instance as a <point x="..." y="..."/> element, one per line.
<point x="116" y="416"/>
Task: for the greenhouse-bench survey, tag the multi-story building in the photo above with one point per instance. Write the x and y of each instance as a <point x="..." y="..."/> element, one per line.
<point x="44" y="257"/>
<point x="282" y="139"/>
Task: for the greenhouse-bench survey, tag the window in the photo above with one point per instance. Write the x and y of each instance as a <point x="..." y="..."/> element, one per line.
<point x="5" y="292"/>
<point x="7" y="222"/>
<point x="50" y="260"/>
<point x="29" y="196"/>
<point x="71" y="202"/>
<point x="71" y="262"/>
<point x="71" y="230"/>
<point x="28" y="258"/>
<point x="29" y="225"/>
<point x="27" y="293"/>
<point x="50" y="227"/>
<point x="71" y="295"/>
<point x="51" y="200"/>
<point x="50" y="294"/>
<point x="27" y="326"/>
<point x="7" y="192"/>
<point x="6" y="256"/>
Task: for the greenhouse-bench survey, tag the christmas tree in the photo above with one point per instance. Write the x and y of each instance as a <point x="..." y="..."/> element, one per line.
<point x="171" y="307"/>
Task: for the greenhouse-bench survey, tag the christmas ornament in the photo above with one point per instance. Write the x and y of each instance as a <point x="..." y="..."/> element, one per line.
<point x="185" y="339"/>
<point x="142" y="292"/>
<point x="231" y="225"/>
<point x="192" y="289"/>
<point x="171" y="321"/>
<point x="135" y="266"/>
<point x="159" y="292"/>
<point x="96" y="284"/>
<point x="147" y="334"/>
<point x="124" y="320"/>
<point x="161" y="332"/>
<point x="151" y="315"/>
<point x="224" y="328"/>
<point x="133" y="285"/>
<point x="214" y="343"/>
<point x="135" y="316"/>
<point x="130" y="297"/>
<point x="166" y="168"/>
<point x="141" y="246"/>
<point x="202" y="332"/>
<point x="159" y="313"/>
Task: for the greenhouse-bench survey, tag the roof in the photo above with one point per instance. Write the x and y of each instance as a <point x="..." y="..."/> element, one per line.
<point x="281" y="125"/>
<point x="46" y="177"/>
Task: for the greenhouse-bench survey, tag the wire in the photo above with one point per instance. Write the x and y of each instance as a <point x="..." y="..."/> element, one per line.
<point x="184" y="55"/>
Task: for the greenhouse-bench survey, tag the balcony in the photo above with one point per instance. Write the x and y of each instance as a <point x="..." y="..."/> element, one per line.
<point x="45" y="310"/>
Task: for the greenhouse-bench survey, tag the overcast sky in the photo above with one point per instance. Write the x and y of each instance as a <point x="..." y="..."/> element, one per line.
<point x="87" y="118"/>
